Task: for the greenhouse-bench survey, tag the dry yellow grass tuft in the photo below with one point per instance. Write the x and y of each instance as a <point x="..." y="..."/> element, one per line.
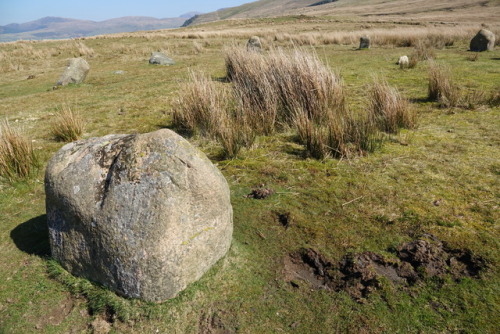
<point x="201" y="105"/>
<point x="441" y="88"/>
<point x="388" y="109"/>
<point x="68" y="126"/>
<point x="206" y="108"/>
<point x="17" y="157"/>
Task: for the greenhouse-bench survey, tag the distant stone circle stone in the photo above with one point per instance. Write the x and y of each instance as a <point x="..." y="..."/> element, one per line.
<point x="364" y="42"/>
<point x="159" y="58"/>
<point x="143" y="214"/>
<point x="483" y="41"/>
<point x="75" y="73"/>
<point x="254" y="44"/>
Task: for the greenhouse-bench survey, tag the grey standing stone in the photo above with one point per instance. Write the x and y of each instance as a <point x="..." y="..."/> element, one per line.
<point x="254" y="44"/>
<point x="364" y="42"/>
<point x="158" y="58"/>
<point x="144" y="214"/>
<point x="483" y="41"/>
<point x="75" y="72"/>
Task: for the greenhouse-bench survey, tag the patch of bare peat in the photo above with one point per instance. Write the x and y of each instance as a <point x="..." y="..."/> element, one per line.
<point x="361" y="274"/>
<point x="284" y="218"/>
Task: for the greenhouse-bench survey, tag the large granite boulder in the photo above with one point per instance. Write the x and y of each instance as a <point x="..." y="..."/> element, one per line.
<point x="144" y="214"/>
<point x="254" y="44"/>
<point x="483" y="41"/>
<point x="158" y="58"/>
<point x="75" y="72"/>
<point x="364" y="42"/>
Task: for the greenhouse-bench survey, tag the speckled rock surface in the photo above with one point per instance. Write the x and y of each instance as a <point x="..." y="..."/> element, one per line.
<point x="75" y="72"/>
<point x="144" y="215"/>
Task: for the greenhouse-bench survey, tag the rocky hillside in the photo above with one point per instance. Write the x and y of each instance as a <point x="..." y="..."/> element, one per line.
<point x="428" y="10"/>
<point x="58" y="27"/>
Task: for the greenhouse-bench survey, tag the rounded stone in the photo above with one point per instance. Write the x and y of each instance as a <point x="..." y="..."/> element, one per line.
<point x="76" y="71"/>
<point x="483" y="41"/>
<point x="158" y="58"/>
<point x="144" y="214"/>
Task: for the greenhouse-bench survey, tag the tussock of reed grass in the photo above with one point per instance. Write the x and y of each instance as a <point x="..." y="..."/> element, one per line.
<point x="441" y="88"/>
<point x="208" y="109"/>
<point x="254" y="89"/>
<point x="68" y="125"/>
<point x="296" y="90"/>
<point x="201" y="105"/>
<point x="233" y="134"/>
<point x="273" y="92"/>
<point x="424" y="50"/>
<point x="388" y="109"/>
<point x="285" y="90"/>
<point x="17" y="157"/>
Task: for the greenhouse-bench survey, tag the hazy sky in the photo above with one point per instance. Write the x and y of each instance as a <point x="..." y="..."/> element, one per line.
<point x="21" y="11"/>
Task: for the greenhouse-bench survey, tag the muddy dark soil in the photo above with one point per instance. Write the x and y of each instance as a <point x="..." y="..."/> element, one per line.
<point x="361" y="274"/>
<point x="284" y="218"/>
<point x="309" y="267"/>
<point x="430" y="257"/>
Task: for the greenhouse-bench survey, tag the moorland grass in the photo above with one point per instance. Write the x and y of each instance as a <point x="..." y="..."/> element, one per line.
<point x="68" y="125"/>
<point x="388" y="109"/>
<point x="357" y="203"/>
<point x="17" y="156"/>
<point x="441" y="87"/>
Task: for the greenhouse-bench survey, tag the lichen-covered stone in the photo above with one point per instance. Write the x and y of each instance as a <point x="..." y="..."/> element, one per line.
<point x="158" y="58"/>
<point x="75" y="72"/>
<point x="144" y="215"/>
<point x="483" y="41"/>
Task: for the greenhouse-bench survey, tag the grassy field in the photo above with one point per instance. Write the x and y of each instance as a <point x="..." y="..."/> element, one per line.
<point x="442" y="178"/>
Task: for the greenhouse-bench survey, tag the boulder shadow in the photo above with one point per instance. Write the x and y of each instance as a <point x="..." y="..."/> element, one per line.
<point x="32" y="236"/>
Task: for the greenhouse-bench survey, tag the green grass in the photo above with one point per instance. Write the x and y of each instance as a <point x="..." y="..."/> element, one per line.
<point x="451" y="156"/>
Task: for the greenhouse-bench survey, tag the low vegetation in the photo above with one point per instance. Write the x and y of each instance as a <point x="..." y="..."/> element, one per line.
<point x="17" y="157"/>
<point x="289" y="129"/>
<point x="441" y="87"/>
<point x="68" y="125"/>
<point x="278" y="91"/>
<point x="388" y="109"/>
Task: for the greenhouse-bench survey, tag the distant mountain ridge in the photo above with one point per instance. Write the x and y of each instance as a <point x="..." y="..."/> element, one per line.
<point x="59" y="27"/>
<point x="427" y="10"/>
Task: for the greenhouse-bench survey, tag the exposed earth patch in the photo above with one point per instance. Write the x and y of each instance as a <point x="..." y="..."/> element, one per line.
<point x="361" y="274"/>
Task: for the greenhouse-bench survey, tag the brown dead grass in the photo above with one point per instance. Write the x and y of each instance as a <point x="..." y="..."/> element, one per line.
<point x="17" y="156"/>
<point x="441" y="87"/>
<point x="389" y="110"/>
<point x="68" y="126"/>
